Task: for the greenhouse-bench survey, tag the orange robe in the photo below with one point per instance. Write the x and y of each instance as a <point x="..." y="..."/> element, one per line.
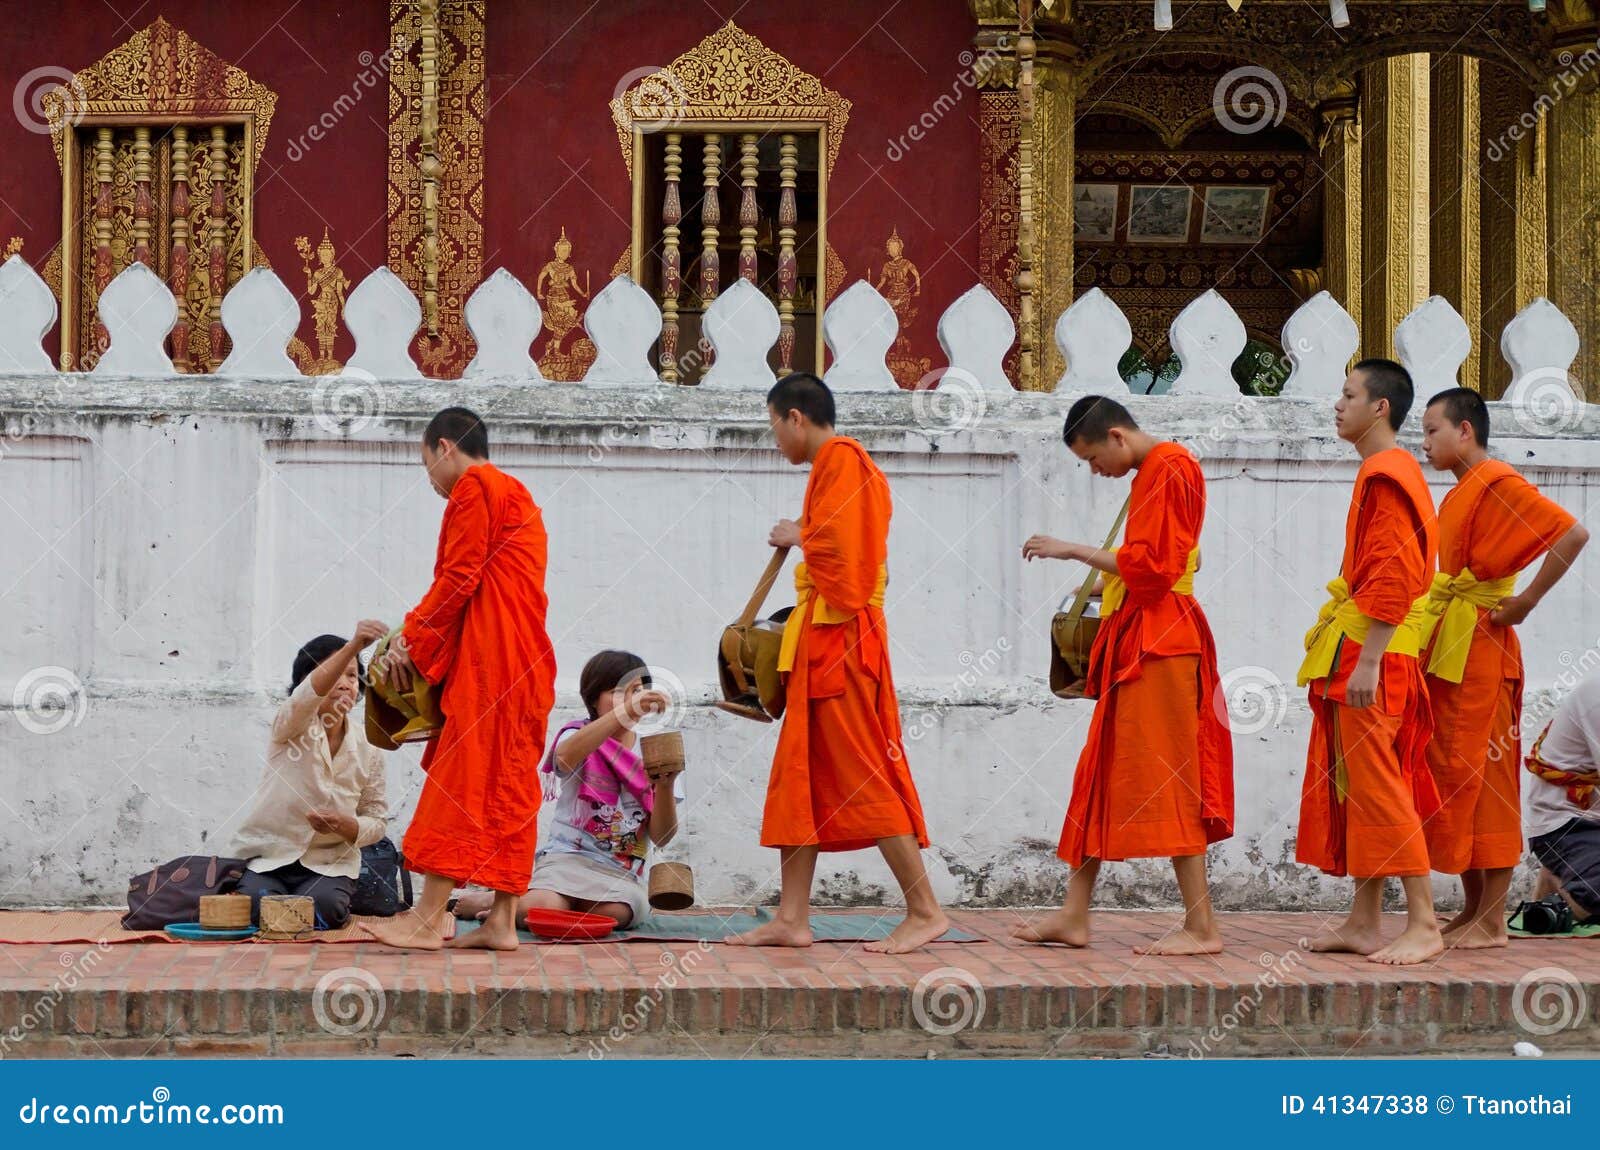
<point x="1492" y="523"/>
<point x="1156" y="775"/>
<point x="1366" y="819"/>
<point x="840" y="780"/>
<point x="481" y="630"/>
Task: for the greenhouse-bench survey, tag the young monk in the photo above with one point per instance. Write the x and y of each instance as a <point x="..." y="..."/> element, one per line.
<point x="839" y="779"/>
<point x="1367" y="787"/>
<point x="1155" y="779"/>
<point x="1492" y="524"/>
<point x="480" y="630"/>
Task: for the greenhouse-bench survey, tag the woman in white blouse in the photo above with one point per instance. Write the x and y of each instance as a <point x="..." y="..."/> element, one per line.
<point x="321" y="797"/>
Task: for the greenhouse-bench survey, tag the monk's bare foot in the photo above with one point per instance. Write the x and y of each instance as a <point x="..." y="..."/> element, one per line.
<point x="1184" y="942"/>
<point x="913" y="933"/>
<point x="1446" y="925"/>
<point x="774" y="933"/>
<point x="474" y="904"/>
<point x="1062" y="927"/>
<point x="1481" y="935"/>
<point x="488" y="936"/>
<point x="1347" y="939"/>
<point x="1415" y="944"/>
<point x="410" y="931"/>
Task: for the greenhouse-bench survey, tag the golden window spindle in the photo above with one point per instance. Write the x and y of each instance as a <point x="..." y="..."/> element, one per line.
<point x="710" y="218"/>
<point x="1027" y="364"/>
<point x="788" y="268"/>
<point x="104" y="170"/>
<point x="749" y="211"/>
<point x="671" y="258"/>
<point x="178" y="279"/>
<point x="217" y="281"/>
<point x="142" y="207"/>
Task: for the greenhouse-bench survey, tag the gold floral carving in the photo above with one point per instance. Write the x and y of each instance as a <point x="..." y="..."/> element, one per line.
<point x="998" y="128"/>
<point x="13" y="248"/>
<point x="1454" y="174"/>
<point x="833" y="272"/>
<point x="1513" y="206"/>
<point x="1394" y="173"/>
<point x="435" y="240"/>
<point x="730" y="75"/>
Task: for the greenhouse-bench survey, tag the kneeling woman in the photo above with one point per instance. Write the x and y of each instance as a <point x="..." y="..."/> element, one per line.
<point x="607" y="810"/>
<point x="321" y="797"/>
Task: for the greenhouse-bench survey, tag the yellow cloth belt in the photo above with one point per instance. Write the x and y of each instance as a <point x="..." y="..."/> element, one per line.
<point x="1452" y="605"/>
<point x="1116" y="590"/>
<point x="1340" y="618"/>
<point x="805" y="591"/>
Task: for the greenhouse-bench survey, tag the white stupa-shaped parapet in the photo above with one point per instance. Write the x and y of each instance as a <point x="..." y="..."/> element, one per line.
<point x="382" y="315"/>
<point x="742" y="327"/>
<point x="976" y="332"/>
<point x="260" y="316"/>
<point x="1540" y="344"/>
<point x="859" y="328"/>
<point x="138" y="312"/>
<point x="1432" y="343"/>
<point x="1093" y="336"/>
<point x="1207" y="337"/>
<point x="504" y="320"/>
<point x="622" y="322"/>
<point x="1320" y="339"/>
<point x="27" y="313"/>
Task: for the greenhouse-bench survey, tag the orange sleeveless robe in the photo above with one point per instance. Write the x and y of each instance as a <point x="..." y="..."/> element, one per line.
<point x="840" y="780"/>
<point x="1375" y="827"/>
<point x="481" y="629"/>
<point x="1155" y="778"/>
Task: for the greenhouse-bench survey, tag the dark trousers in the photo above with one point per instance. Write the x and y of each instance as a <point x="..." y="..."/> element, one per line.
<point x="1571" y="852"/>
<point x="330" y="896"/>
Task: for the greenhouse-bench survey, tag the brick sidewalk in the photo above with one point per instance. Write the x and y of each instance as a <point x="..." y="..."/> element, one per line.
<point x="1264" y="996"/>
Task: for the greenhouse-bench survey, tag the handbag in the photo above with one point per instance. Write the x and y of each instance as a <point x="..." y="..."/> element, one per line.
<point x="1072" y="632"/>
<point x="171" y="893"/>
<point x="747" y="655"/>
<point x="383" y="888"/>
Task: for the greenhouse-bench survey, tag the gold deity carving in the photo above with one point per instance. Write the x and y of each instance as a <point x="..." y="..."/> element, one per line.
<point x="566" y="356"/>
<point x="900" y="283"/>
<point x="326" y="288"/>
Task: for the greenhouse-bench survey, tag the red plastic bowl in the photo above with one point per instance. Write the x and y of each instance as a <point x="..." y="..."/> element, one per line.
<point x="565" y="924"/>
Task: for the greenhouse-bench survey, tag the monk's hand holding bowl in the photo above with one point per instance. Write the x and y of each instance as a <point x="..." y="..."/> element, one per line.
<point x="785" y="533"/>
<point x="397" y="667"/>
<point x="1046" y="547"/>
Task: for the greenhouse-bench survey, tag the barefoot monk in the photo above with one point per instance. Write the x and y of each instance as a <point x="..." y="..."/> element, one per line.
<point x="1155" y="779"/>
<point x="1492" y="524"/>
<point x="1367" y="786"/>
<point x="840" y="781"/>
<point x="480" y="630"/>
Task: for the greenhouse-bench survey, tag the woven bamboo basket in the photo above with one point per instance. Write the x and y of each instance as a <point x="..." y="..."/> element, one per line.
<point x="671" y="886"/>
<point x="285" y="916"/>
<point x="224" y="911"/>
<point x="662" y="754"/>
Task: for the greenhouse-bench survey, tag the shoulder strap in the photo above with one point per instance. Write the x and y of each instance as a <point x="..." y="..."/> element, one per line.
<point x="763" y="587"/>
<point x="1081" y="603"/>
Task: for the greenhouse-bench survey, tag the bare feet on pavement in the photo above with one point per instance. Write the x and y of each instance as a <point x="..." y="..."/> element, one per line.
<point x="913" y="933"/>
<point x="1347" y="939"/>
<point x="1183" y="942"/>
<point x="1415" y="944"/>
<point x="1068" y="929"/>
<point x="774" y="933"/>
<point x="410" y="931"/>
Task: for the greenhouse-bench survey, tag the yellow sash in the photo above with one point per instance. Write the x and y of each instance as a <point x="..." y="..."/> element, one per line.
<point x="805" y="591"/>
<point x="1115" y="590"/>
<point x="1452" y="605"/>
<point x="1340" y="618"/>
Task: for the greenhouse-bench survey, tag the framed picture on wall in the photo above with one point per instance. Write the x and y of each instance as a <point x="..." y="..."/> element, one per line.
<point x="1094" y="213"/>
<point x="1234" y="215"/>
<point x="1159" y="214"/>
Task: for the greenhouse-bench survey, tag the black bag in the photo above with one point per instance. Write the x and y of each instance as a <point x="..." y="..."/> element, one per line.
<point x="384" y="886"/>
<point x="171" y="893"/>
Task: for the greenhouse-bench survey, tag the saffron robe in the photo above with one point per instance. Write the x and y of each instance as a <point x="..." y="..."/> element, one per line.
<point x="1367" y="786"/>
<point x="1156" y="774"/>
<point x="481" y="630"/>
<point x="1493" y="523"/>
<point x="840" y="780"/>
